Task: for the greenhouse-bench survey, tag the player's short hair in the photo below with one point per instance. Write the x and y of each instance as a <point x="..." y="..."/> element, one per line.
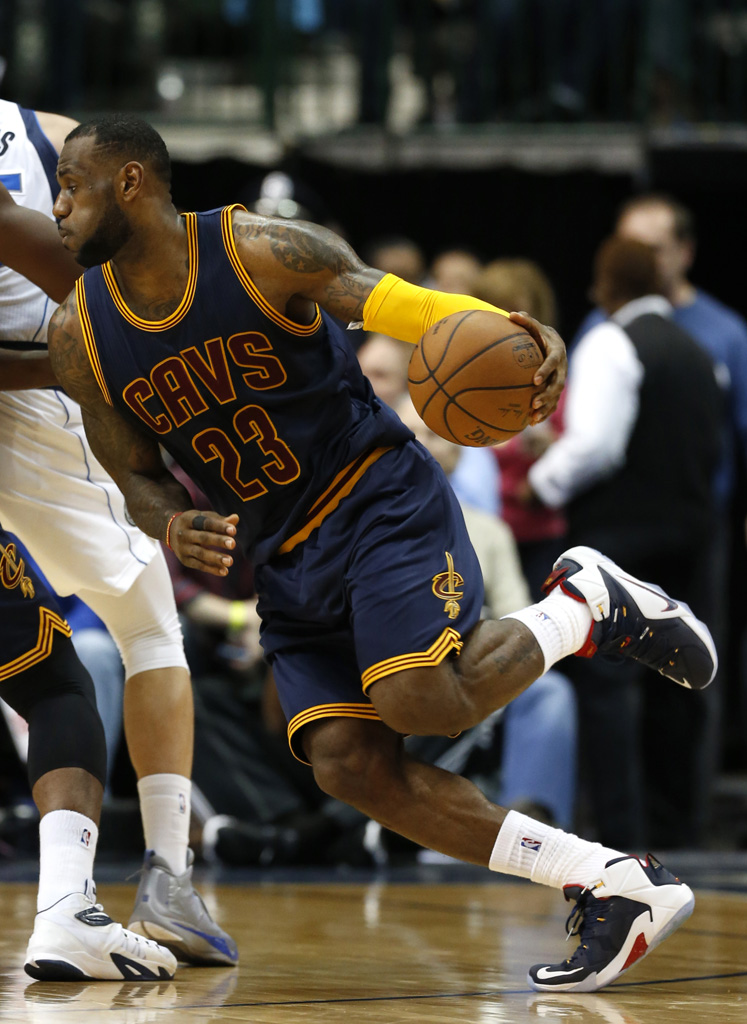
<point x="129" y="137"/>
<point x="684" y="222"/>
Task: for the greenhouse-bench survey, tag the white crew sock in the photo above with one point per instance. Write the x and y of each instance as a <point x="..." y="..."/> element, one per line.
<point x="165" y="810"/>
<point x="560" y="625"/>
<point x="547" y="855"/>
<point x="67" y="847"/>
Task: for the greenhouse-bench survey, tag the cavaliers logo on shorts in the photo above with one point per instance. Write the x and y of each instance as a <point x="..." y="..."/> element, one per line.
<point x="13" y="571"/>
<point x="446" y="587"/>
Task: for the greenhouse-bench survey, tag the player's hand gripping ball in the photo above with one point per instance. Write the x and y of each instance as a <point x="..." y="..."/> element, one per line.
<point x="470" y="377"/>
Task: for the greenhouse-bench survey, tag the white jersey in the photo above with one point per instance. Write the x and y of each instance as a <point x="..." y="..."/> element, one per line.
<point x="53" y="492"/>
<point x="27" y="169"/>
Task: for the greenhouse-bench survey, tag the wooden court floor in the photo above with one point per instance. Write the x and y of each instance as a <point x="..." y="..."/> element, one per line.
<point x="383" y="953"/>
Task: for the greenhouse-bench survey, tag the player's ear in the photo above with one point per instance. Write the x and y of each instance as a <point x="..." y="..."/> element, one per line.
<point x="130" y="180"/>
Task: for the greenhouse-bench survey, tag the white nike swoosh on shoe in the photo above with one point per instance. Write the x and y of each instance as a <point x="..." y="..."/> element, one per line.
<point x="670" y="604"/>
<point x="545" y="972"/>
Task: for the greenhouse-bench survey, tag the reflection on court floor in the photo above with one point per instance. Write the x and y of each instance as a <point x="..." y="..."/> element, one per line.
<point x="384" y="951"/>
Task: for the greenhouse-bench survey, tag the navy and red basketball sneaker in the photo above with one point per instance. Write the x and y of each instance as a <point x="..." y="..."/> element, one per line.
<point x="635" y="619"/>
<point x="619" y="918"/>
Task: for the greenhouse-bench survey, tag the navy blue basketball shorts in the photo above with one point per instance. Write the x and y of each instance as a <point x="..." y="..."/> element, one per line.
<point x="29" y="613"/>
<point x="387" y="581"/>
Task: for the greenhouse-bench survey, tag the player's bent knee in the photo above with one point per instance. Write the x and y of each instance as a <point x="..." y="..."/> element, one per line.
<point x="352" y="759"/>
<point x="144" y="622"/>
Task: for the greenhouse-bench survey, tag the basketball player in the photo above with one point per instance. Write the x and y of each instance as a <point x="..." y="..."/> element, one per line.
<point x="42" y="678"/>
<point x="204" y="334"/>
<point x="56" y="495"/>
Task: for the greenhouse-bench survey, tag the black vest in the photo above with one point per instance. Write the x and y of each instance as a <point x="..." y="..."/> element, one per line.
<point x="663" y="494"/>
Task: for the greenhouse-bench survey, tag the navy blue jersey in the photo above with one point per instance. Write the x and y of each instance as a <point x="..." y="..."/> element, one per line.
<point x="28" y="611"/>
<point x="267" y="415"/>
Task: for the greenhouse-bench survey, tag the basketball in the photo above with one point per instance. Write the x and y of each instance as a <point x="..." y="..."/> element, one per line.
<point x="470" y="377"/>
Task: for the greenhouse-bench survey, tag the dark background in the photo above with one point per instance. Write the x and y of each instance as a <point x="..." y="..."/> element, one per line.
<point x="557" y="219"/>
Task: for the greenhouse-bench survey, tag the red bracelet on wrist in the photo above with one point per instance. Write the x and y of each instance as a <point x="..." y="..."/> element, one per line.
<point x="168" y="530"/>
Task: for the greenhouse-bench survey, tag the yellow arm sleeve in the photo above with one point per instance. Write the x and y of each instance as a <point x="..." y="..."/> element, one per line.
<point x="406" y="311"/>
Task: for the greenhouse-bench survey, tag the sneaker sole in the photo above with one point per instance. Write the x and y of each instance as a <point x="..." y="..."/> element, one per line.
<point x="583" y="554"/>
<point x="54" y="966"/>
<point x="176" y="943"/>
<point x="42" y="969"/>
<point x="596" y="981"/>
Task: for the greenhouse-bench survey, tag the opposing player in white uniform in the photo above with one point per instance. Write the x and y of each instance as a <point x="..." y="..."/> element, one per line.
<point x="56" y="495"/>
<point x="42" y="678"/>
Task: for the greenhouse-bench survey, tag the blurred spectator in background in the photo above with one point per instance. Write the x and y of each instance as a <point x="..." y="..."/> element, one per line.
<point x="664" y="223"/>
<point x="540" y="532"/>
<point x="384" y="361"/>
<point x="667" y="226"/>
<point x="543" y="718"/>
<point x="454" y="270"/>
<point x="395" y="254"/>
<point x="634" y="469"/>
<point x="522" y="284"/>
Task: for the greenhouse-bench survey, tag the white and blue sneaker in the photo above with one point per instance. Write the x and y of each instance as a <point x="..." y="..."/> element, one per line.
<point x="75" y="939"/>
<point x="168" y="909"/>
<point x="619" y="919"/>
<point x="635" y="619"/>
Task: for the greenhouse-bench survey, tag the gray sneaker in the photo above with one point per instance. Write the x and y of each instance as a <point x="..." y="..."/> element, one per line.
<point x="168" y="909"/>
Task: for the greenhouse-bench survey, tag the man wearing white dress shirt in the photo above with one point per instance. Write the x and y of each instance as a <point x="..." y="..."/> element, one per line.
<point x="634" y="469"/>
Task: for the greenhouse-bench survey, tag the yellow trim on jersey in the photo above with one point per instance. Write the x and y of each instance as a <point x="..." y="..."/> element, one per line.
<point x="328" y="501"/>
<point x="49" y="623"/>
<point x="88" y="338"/>
<point x="190" y="221"/>
<point x="449" y="640"/>
<point x="282" y="321"/>
<point x="328" y="711"/>
<point x="406" y="311"/>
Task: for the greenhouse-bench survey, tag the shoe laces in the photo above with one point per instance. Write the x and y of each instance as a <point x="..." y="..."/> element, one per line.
<point x="587" y="920"/>
<point x="132" y="942"/>
<point x="635" y="637"/>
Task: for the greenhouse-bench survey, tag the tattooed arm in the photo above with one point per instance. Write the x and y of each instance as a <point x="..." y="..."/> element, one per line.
<point x="133" y="459"/>
<point x="295" y="264"/>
